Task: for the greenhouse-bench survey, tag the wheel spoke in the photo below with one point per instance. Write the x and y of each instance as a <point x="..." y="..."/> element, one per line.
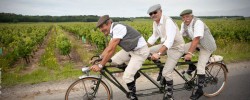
<point x="215" y="80"/>
<point x="86" y="89"/>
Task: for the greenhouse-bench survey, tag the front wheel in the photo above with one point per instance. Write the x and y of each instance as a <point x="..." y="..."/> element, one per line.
<point x="88" y="88"/>
<point x="215" y="80"/>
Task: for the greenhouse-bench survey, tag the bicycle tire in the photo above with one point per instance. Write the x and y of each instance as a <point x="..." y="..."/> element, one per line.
<point x="84" y="89"/>
<point x="215" y="80"/>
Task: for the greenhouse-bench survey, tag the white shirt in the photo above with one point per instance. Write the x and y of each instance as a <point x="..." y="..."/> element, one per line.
<point x="119" y="31"/>
<point x="198" y="29"/>
<point x="168" y="40"/>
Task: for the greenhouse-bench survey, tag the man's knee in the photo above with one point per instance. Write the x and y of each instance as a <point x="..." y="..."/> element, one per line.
<point x="201" y="70"/>
<point x="128" y="77"/>
<point x="116" y="61"/>
<point x="168" y="75"/>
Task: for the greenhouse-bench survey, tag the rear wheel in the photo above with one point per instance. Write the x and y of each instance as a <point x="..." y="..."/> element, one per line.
<point x="215" y="80"/>
<point x="88" y="88"/>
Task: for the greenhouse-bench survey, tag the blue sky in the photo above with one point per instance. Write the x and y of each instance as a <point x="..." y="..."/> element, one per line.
<point x="125" y="8"/>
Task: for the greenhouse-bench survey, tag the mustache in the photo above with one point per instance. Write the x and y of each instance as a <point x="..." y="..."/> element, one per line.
<point x="186" y="20"/>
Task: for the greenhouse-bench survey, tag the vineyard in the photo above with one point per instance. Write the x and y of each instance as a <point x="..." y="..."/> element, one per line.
<point x="74" y="42"/>
<point x="20" y="40"/>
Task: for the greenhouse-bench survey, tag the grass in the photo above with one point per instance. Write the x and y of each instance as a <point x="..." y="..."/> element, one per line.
<point x="234" y="51"/>
<point x="40" y="75"/>
<point x="48" y="59"/>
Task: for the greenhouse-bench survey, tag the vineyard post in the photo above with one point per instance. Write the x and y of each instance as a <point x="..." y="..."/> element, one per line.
<point x="0" y="80"/>
<point x="1" y="51"/>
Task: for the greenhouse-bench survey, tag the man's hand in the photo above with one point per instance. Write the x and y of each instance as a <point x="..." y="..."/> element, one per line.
<point x="188" y="57"/>
<point x="95" y="68"/>
<point x="155" y="56"/>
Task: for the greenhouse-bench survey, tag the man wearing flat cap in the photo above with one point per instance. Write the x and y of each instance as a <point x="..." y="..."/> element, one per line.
<point x="171" y="43"/>
<point x="201" y="39"/>
<point x="134" y="50"/>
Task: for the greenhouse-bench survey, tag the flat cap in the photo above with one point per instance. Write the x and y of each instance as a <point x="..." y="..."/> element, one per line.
<point x="187" y="11"/>
<point x="154" y="8"/>
<point x="102" y="20"/>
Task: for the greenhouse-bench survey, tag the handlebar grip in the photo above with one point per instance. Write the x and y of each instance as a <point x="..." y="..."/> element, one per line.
<point x="97" y="60"/>
<point x="94" y="57"/>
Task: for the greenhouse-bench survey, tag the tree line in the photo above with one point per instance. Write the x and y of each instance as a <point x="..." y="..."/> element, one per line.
<point x="11" y="17"/>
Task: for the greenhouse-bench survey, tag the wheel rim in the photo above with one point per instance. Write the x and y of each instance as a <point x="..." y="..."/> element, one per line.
<point x="216" y="77"/>
<point x="84" y="89"/>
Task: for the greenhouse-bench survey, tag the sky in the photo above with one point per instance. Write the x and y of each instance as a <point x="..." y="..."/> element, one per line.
<point x="125" y="8"/>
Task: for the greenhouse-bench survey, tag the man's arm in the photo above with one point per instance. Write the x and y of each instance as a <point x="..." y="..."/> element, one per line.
<point x="110" y="50"/>
<point x="103" y="53"/>
<point x="170" y="32"/>
<point x="194" y="44"/>
<point x="192" y="48"/>
<point x="162" y="49"/>
<point x="198" y="34"/>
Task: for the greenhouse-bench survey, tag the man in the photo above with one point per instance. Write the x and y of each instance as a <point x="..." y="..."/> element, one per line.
<point x="171" y="43"/>
<point x="134" y="49"/>
<point x="202" y="39"/>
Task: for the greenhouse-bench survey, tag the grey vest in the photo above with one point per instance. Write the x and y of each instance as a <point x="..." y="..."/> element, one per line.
<point x="130" y="40"/>
<point x="207" y="41"/>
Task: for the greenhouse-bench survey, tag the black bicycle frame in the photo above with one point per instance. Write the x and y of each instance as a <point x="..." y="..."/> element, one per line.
<point x="109" y="76"/>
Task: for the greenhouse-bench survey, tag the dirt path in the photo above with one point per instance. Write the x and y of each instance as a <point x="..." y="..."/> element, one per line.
<point x="79" y="51"/>
<point x="35" y="57"/>
<point x="56" y="90"/>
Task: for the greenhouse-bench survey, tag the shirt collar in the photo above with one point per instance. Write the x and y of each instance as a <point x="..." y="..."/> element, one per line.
<point x="161" y="20"/>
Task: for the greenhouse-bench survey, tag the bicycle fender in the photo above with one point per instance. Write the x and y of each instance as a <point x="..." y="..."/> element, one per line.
<point x="84" y="76"/>
<point x="223" y="64"/>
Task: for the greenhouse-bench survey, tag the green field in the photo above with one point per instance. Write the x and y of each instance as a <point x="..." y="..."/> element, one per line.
<point x="37" y="52"/>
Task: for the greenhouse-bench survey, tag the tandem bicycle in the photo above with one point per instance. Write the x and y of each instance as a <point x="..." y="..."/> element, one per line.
<point x="94" y="87"/>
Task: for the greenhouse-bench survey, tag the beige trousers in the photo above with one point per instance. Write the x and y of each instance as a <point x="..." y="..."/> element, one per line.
<point x="173" y="57"/>
<point x="134" y="62"/>
<point x="203" y="57"/>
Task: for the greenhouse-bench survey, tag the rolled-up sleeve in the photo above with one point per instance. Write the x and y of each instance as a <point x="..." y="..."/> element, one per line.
<point x="199" y="29"/>
<point x="171" y="32"/>
<point x="119" y="31"/>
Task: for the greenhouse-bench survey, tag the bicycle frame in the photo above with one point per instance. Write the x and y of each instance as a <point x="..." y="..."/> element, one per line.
<point x="161" y="89"/>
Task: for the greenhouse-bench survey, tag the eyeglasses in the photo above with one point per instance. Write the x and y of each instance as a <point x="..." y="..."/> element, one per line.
<point x="155" y="12"/>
